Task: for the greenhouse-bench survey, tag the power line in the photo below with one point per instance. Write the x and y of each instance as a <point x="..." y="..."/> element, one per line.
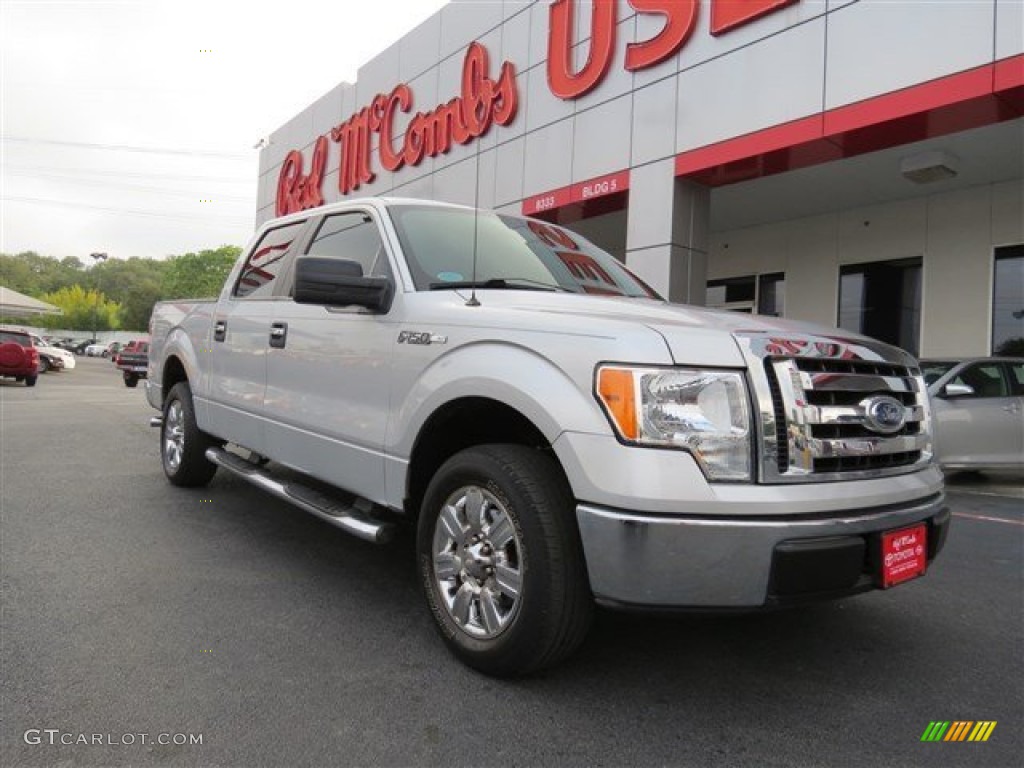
<point x="129" y="148"/>
<point x="129" y="174"/>
<point x="134" y="187"/>
<point x="127" y="211"/>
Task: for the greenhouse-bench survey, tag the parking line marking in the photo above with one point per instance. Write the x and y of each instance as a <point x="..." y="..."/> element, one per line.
<point x="990" y="519"/>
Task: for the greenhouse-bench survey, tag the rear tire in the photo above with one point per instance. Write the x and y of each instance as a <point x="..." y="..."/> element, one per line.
<point x="182" y="444"/>
<point x="30" y="381"/>
<point x="500" y="560"/>
<point x="131" y="380"/>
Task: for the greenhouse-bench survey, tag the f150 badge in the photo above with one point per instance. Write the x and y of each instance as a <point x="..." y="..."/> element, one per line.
<point x="421" y="338"/>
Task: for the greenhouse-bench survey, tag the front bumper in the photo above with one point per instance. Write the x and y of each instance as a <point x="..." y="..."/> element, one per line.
<point x="666" y="562"/>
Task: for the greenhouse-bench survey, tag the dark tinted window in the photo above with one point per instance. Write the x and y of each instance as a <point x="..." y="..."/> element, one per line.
<point x="986" y="379"/>
<point x="1017" y="378"/>
<point x="265" y="262"/>
<point x="8" y="337"/>
<point x="1008" y="302"/>
<point x="351" y="236"/>
<point x="934" y="370"/>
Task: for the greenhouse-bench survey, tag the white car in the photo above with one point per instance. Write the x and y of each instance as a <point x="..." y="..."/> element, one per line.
<point x="95" y="350"/>
<point x="978" y="407"/>
<point x="52" y="358"/>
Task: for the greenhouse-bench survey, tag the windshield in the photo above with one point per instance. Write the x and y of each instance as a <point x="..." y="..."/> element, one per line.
<point x="512" y="253"/>
<point x="934" y="370"/>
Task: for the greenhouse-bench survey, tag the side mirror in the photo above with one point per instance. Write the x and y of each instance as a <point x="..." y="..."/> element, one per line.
<point x="957" y="390"/>
<point x="340" y="283"/>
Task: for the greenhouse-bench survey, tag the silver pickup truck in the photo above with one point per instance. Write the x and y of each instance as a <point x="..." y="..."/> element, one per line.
<point x="555" y="431"/>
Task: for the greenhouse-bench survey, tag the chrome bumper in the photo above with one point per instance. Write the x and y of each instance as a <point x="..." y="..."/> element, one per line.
<point x="707" y="562"/>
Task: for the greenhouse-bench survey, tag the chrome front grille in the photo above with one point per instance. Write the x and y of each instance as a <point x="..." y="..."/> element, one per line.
<point x="833" y="409"/>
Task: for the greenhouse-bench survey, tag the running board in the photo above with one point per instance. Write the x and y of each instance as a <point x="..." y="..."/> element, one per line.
<point x="349" y="517"/>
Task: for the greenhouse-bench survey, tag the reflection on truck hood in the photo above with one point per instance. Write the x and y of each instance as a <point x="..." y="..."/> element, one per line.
<point x="683" y="327"/>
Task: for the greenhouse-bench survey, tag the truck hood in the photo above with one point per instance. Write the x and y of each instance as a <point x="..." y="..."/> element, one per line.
<point x="693" y="334"/>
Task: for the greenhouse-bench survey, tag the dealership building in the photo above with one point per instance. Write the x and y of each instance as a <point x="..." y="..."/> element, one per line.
<point x="848" y="162"/>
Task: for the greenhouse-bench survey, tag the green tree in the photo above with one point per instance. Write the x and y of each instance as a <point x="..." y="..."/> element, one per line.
<point x="198" y="275"/>
<point x="134" y="284"/>
<point x="83" y="310"/>
<point x="34" y="275"/>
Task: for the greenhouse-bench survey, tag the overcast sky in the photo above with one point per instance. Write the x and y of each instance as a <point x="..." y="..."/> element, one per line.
<point x="87" y="85"/>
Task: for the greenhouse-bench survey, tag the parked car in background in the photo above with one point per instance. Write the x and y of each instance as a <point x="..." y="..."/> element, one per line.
<point x="978" y="407"/>
<point x="18" y="358"/>
<point x="133" y="361"/>
<point x="81" y="346"/>
<point x="97" y="349"/>
<point x="52" y="358"/>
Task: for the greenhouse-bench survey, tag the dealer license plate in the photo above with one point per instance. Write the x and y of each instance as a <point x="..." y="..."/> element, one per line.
<point x="904" y="555"/>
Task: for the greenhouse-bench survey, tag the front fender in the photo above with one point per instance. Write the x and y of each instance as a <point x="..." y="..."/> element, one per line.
<point x="511" y="373"/>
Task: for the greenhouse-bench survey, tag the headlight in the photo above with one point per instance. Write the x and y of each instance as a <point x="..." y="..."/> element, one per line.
<point x="705" y="412"/>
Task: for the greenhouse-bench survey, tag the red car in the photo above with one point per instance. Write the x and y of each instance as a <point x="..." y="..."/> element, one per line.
<point x="18" y="358"/>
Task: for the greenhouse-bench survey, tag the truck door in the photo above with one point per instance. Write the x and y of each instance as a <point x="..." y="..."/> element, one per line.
<point x="238" y="341"/>
<point x="328" y="370"/>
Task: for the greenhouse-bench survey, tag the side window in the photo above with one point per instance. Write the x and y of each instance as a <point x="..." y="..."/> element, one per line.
<point x="265" y="262"/>
<point x="986" y="379"/>
<point x="351" y="236"/>
<point x="1017" y="378"/>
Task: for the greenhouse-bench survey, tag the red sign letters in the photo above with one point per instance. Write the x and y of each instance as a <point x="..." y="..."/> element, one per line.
<point x="680" y="21"/>
<point x="482" y="103"/>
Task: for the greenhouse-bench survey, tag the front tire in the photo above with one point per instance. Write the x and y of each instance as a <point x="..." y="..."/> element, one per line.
<point x="44" y="365"/>
<point x="501" y="562"/>
<point x="131" y="380"/>
<point x="182" y="444"/>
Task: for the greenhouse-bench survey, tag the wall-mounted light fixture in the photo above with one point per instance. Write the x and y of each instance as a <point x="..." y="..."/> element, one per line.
<point x="927" y="167"/>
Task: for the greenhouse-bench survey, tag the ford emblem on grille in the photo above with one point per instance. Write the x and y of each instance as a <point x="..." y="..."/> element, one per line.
<point x="884" y="414"/>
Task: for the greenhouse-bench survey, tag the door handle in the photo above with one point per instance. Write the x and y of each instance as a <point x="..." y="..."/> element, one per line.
<point x="220" y="330"/>
<point x="278" y="335"/>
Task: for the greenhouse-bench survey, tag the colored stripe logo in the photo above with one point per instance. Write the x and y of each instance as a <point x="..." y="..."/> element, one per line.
<point x="958" y="730"/>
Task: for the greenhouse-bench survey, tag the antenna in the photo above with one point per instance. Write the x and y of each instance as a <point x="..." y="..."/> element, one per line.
<point x="473" y="301"/>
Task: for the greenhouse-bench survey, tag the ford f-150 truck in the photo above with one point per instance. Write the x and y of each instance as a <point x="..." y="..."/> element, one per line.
<point x="557" y="433"/>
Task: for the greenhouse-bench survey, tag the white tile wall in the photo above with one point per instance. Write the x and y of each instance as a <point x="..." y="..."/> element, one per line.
<point x="703" y="47"/>
<point x="1009" y="28"/>
<point x="463" y="21"/>
<point x="327" y="111"/>
<point x="778" y="80"/>
<point x="654" y="121"/>
<point x="601" y="139"/>
<point x="542" y="107"/>
<point x="878" y="46"/>
<point x="379" y="75"/>
<point x="420" y="49"/>
<point x="549" y="159"/>
<point x="510" y="160"/>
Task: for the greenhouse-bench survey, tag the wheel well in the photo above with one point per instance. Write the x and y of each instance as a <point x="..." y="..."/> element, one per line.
<point x="458" y="425"/>
<point x="174" y="372"/>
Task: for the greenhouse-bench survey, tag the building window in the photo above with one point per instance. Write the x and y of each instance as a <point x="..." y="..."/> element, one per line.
<point x="766" y="293"/>
<point x="1008" y="302"/>
<point x="883" y="300"/>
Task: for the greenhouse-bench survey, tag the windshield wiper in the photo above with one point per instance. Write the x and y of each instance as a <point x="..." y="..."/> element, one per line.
<point x="503" y="283"/>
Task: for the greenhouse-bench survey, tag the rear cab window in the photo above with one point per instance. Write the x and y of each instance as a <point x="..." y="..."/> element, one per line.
<point x="265" y="262"/>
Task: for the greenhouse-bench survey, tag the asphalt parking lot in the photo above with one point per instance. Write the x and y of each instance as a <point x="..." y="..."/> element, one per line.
<point x="133" y="608"/>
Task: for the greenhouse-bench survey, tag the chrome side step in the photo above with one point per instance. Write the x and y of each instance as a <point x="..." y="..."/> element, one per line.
<point x="350" y="517"/>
